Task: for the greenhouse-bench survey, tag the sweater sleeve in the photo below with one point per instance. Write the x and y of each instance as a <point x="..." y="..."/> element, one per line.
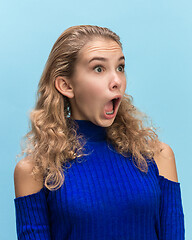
<point x="171" y="210"/>
<point x="32" y="221"/>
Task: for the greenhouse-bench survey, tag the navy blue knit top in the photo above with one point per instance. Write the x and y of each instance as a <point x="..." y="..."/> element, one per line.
<point x="104" y="196"/>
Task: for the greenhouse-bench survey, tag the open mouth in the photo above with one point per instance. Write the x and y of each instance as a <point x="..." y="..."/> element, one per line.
<point x="114" y="104"/>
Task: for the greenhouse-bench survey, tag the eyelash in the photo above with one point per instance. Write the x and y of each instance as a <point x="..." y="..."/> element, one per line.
<point x="121" y="65"/>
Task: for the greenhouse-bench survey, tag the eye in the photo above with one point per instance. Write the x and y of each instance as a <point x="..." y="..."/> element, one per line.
<point x="121" y="68"/>
<point x="98" y="69"/>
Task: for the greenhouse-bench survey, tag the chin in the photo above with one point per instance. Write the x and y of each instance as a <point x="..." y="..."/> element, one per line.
<point x="105" y="123"/>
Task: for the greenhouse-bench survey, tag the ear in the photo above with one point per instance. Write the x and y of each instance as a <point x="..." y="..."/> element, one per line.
<point x="64" y="87"/>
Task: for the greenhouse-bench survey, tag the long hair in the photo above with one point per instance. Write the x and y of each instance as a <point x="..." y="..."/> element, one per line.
<point x="52" y="142"/>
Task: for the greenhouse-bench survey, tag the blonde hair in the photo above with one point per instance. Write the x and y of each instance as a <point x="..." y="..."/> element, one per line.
<point x="52" y="141"/>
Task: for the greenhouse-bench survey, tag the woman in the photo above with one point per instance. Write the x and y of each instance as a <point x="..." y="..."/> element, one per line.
<point x="93" y="170"/>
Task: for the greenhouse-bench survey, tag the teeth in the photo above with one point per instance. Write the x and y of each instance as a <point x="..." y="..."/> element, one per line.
<point x="108" y="113"/>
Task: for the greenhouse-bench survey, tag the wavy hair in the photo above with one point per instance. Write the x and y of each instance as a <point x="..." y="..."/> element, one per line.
<point x="52" y="142"/>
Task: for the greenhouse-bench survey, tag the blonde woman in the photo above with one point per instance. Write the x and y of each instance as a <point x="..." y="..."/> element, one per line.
<point x="92" y="168"/>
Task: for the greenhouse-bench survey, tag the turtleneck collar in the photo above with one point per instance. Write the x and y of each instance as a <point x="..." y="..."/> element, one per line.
<point x="92" y="132"/>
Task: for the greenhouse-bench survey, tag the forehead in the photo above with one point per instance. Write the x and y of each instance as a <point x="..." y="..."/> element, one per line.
<point x="101" y="47"/>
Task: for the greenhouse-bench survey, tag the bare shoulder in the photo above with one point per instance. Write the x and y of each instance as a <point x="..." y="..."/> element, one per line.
<point x="165" y="160"/>
<point x="25" y="183"/>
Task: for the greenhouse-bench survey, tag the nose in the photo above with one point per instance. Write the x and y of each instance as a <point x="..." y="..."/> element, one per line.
<point x="116" y="81"/>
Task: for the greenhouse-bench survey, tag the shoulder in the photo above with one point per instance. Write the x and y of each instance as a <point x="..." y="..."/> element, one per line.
<point x="165" y="160"/>
<point x="24" y="181"/>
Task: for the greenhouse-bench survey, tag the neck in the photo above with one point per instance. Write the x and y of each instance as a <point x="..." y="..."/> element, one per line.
<point x="91" y="132"/>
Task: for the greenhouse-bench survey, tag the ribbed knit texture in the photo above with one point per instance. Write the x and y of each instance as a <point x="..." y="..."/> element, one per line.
<point x="104" y="196"/>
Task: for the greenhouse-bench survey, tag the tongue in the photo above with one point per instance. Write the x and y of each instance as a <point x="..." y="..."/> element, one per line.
<point x="109" y="106"/>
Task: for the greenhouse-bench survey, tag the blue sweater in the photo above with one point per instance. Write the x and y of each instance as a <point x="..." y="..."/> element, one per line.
<point x="104" y="196"/>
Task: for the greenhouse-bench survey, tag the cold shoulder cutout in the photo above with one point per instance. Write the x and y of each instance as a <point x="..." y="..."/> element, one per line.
<point x="24" y="181"/>
<point x="165" y="161"/>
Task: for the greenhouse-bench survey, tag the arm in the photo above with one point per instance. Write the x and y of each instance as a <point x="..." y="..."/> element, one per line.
<point x="171" y="210"/>
<point x="32" y="219"/>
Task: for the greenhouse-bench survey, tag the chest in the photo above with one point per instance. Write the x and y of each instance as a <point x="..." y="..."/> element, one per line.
<point x="105" y="185"/>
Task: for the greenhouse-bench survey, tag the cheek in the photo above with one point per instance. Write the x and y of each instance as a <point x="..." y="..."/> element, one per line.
<point x="124" y="84"/>
<point x="91" y="91"/>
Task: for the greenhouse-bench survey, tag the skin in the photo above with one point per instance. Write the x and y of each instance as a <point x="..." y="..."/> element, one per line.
<point x="95" y="82"/>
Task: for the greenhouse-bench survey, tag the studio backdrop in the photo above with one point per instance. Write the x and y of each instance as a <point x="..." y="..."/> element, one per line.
<point x="157" y="44"/>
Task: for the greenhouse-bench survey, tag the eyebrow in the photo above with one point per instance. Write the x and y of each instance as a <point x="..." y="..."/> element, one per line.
<point x="104" y="59"/>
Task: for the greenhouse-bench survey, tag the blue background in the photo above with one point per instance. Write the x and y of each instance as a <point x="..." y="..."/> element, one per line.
<point x="157" y="41"/>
